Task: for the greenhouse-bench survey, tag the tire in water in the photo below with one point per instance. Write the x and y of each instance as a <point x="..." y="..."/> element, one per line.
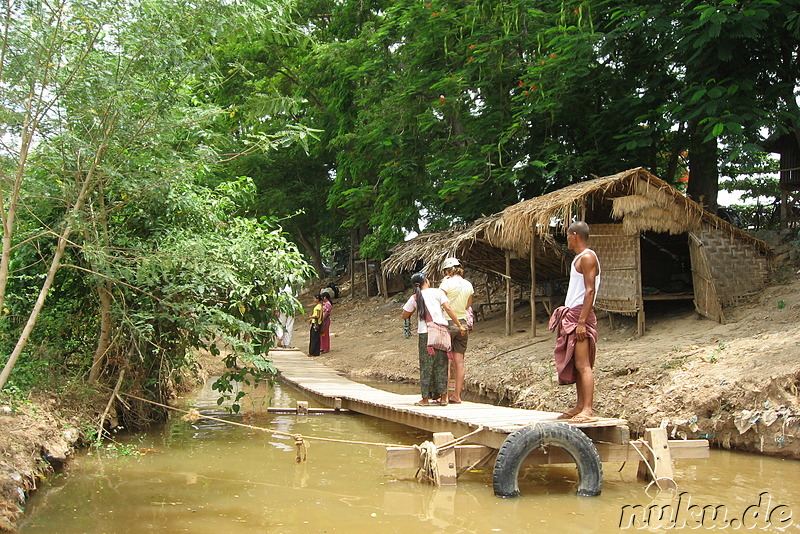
<point x="519" y="444"/>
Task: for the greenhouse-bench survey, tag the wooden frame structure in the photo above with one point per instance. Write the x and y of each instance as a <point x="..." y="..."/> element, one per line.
<point x="521" y="244"/>
<point x="788" y="146"/>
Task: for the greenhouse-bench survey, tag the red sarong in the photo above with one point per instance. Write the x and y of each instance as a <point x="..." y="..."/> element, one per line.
<point x="564" y="321"/>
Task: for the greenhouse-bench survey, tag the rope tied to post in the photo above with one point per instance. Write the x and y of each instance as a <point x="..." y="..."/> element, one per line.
<point x="429" y="468"/>
<point x="662" y="483"/>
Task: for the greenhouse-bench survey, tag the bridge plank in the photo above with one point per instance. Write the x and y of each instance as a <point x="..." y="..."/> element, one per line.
<point x="325" y="385"/>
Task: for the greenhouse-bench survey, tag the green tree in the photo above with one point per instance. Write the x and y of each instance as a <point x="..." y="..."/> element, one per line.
<point x="718" y="73"/>
<point x="111" y="138"/>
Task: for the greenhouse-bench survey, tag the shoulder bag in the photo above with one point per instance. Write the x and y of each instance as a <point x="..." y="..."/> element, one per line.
<point x="438" y="335"/>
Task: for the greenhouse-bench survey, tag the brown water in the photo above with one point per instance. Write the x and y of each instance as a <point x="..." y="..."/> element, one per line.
<point x="210" y="477"/>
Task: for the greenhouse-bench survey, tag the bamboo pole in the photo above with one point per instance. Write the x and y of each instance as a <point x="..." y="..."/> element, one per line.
<point x="352" y="263"/>
<point x="509" y="296"/>
<point x="533" y="283"/>
<point x="366" y="275"/>
<point x="108" y="406"/>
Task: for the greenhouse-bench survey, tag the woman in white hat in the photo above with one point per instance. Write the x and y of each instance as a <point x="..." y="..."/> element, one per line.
<point x="459" y="292"/>
<point x="430" y="304"/>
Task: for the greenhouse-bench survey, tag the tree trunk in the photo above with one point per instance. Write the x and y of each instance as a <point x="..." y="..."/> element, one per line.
<point x="313" y="251"/>
<point x="9" y="215"/>
<point x="55" y="263"/>
<point x="104" y="338"/>
<point x="37" y="308"/>
<point x="703" y="170"/>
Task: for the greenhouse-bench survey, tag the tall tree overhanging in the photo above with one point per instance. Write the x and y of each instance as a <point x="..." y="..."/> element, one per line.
<point x="445" y="111"/>
<point x="103" y="97"/>
<point x="720" y="74"/>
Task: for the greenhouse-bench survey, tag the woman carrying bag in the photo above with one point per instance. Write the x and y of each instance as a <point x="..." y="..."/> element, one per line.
<point x="429" y="302"/>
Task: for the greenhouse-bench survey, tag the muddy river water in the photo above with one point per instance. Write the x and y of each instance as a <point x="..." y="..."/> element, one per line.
<point x="211" y="477"/>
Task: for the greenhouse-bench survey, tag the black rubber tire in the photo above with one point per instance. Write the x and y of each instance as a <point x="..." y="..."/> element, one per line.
<point x="519" y="444"/>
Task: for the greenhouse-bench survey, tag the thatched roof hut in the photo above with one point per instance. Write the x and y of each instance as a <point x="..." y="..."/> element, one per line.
<point x="428" y="251"/>
<point x="653" y="243"/>
<point x="642" y="201"/>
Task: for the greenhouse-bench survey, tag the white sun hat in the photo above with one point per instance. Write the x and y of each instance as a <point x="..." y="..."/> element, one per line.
<point x="450" y="262"/>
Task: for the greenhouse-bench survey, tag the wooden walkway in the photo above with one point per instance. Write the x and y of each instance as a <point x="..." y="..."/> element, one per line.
<point x="488" y="426"/>
<point x="327" y="387"/>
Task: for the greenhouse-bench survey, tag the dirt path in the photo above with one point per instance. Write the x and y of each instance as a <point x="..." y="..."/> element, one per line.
<point x="735" y="384"/>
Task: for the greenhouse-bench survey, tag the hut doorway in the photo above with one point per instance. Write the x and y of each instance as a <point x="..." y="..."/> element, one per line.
<point x="666" y="266"/>
<point x="649" y="266"/>
<point x="667" y="273"/>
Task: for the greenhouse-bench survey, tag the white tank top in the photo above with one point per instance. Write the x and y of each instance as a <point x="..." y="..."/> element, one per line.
<point x="576" y="291"/>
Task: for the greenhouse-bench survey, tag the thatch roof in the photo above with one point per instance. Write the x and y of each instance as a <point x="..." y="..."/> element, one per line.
<point x="468" y="245"/>
<point x="643" y="201"/>
<point x="431" y="248"/>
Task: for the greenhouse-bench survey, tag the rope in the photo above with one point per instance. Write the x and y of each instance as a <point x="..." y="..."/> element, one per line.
<point x="451" y="444"/>
<point x="197" y="415"/>
<point x="656" y="480"/>
<point x="429" y="452"/>
<point x="429" y="471"/>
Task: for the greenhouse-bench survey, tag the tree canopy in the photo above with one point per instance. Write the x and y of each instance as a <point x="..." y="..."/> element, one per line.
<point x="436" y="113"/>
<point x="116" y="236"/>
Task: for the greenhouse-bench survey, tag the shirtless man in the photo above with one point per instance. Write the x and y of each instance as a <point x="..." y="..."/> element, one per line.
<point x="576" y="324"/>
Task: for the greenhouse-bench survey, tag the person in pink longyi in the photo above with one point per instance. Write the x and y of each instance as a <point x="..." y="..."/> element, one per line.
<point x="325" y="335"/>
<point x="576" y="325"/>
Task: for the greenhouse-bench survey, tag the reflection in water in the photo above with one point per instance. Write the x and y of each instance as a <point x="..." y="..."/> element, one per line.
<point x="209" y="477"/>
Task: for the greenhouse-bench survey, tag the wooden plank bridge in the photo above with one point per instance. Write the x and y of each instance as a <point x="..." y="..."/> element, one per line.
<point x="488" y="425"/>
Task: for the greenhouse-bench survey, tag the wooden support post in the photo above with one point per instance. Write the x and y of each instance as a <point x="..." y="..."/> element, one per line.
<point x="784" y="223"/>
<point x="384" y="283"/>
<point x="640" y="322"/>
<point x="533" y="281"/>
<point x="660" y="458"/>
<point x="366" y="275"/>
<point x="509" y="296"/>
<point x="446" y="460"/>
<point x="352" y="262"/>
<point x="302" y="407"/>
<point x="337" y="404"/>
<point x="476" y="455"/>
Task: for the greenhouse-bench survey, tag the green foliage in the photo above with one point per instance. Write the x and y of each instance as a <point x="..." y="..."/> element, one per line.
<point x="185" y="145"/>
<point x="14" y="397"/>
<point x="444" y="112"/>
<point x="125" y="165"/>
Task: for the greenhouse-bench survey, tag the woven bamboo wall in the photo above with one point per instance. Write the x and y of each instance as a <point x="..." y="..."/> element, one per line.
<point x="706" y="299"/>
<point x="738" y="269"/>
<point x="620" y="279"/>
